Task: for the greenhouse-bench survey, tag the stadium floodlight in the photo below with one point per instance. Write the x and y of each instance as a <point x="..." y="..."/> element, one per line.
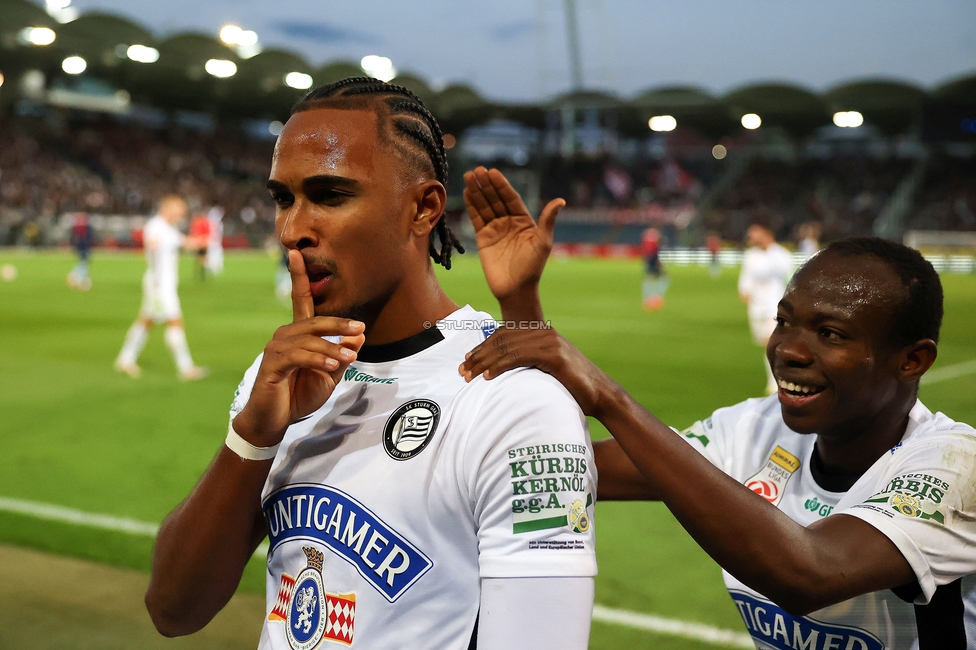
<point x="378" y="67"/>
<point x="848" y="119"/>
<point x="662" y="123"/>
<point x="275" y="128"/>
<point x="221" y="68"/>
<point x="74" y="65"/>
<point x="751" y="121"/>
<point x="231" y="34"/>
<point x="298" y="80"/>
<point x="40" y="36"/>
<point x="247" y="38"/>
<point x="719" y="152"/>
<point x="142" y="53"/>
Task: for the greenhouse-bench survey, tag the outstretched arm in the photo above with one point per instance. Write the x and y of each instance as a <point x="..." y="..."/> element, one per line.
<point x="205" y="543"/>
<point x="801" y="569"/>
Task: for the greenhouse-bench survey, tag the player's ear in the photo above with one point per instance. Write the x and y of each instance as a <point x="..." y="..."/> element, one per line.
<point x="915" y="359"/>
<point x="430" y="203"/>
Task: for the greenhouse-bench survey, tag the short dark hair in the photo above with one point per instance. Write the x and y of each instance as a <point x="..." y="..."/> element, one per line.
<point x="920" y="315"/>
<point x="407" y="124"/>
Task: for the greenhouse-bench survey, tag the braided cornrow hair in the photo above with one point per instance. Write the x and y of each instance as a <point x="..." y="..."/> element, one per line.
<point x="415" y="132"/>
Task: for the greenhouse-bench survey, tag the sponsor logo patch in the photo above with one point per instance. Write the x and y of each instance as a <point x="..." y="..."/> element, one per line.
<point x="308" y="612"/>
<point x="771" y="627"/>
<point x="770" y="482"/>
<point x="409" y="430"/>
<point x="814" y="505"/>
<point x="908" y="505"/>
<point x="550" y="488"/>
<point x="353" y="374"/>
<point x="325" y="515"/>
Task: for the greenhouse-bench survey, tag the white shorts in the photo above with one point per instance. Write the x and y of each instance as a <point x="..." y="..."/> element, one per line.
<point x="762" y="328"/>
<point x="159" y="303"/>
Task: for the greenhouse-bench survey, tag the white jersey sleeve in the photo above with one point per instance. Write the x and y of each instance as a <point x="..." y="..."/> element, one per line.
<point x="924" y="501"/>
<point x="715" y="436"/>
<point x="528" y="470"/>
<point x="243" y="392"/>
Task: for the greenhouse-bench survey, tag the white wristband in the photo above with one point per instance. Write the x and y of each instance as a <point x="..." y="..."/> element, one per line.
<point x="246" y="450"/>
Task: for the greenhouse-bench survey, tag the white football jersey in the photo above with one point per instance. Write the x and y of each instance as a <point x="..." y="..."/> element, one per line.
<point x="162" y="242"/>
<point x="387" y="506"/>
<point x="921" y="495"/>
<point x="763" y="278"/>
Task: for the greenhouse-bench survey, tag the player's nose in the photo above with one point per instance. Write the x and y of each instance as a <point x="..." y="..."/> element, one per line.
<point x="296" y="227"/>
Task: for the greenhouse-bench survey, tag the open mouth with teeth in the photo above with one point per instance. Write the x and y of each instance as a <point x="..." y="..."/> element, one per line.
<point x="798" y="390"/>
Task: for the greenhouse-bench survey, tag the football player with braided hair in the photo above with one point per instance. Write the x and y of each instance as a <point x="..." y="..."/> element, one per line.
<point x="404" y="507"/>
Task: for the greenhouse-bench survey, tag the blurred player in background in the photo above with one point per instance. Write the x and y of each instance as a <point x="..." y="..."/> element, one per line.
<point x="655" y="279"/>
<point x="391" y="489"/>
<point x="766" y="266"/>
<point x="809" y="239"/>
<point x="842" y="510"/>
<point x="82" y="240"/>
<point x="215" y="244"/>
<point x="200" y="232"/>
<point x="160" y="302"/>
<point x="714" y="245"/>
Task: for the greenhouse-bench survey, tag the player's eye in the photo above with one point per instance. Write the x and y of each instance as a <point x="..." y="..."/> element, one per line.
<point x="327" y="196"/>
<point x="830" y="334"/>
<point x="282" y="199"/>
<point x="780" y="321"/>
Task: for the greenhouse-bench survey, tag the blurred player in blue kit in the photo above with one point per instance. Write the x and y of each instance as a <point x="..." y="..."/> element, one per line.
<point x="404" y="506"/>
<point x="655" y="279"/>
<point x="82" y="240"/>
<point x="842" y="510"/>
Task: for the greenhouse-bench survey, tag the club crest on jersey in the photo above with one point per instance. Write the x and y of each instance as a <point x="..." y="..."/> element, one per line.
<point x="770" y="482"/>
<point x="308" y="612"/>
<point x="410" y="428"/>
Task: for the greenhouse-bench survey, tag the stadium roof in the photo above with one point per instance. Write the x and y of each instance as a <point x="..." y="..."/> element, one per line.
<point x="185" y="76"/>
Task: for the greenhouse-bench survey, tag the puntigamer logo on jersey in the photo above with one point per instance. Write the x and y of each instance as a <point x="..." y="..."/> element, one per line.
<point x="773" y="628"/>
<point x="410" y="428"/>
<point x="323" y="514"/>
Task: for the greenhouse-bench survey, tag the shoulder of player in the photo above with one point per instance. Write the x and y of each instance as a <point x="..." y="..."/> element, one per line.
<point x="938" y="431"/>
<point x="518" y="393"/>
<point x="750" y="411"/>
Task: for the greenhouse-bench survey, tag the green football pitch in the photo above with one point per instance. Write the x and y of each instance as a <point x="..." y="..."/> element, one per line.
<point x="79" y="435"/>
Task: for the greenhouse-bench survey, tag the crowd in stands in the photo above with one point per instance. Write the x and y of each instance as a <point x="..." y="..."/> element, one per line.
<point x="843" y="194"/>
<point x="50" y="166"/>
<point x="947" y="200"/>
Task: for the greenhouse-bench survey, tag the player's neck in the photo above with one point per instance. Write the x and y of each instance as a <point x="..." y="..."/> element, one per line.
<point x="854" y="446"/>
<point x="414" y="304"/>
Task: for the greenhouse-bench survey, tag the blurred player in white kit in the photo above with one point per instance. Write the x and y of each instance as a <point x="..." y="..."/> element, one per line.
<point x="215" y="244"/>
<point x="160" y="303"/>
<point x="766" y="267"/>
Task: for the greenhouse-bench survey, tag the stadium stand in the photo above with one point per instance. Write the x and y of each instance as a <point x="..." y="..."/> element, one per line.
<point x="136" y="123"/>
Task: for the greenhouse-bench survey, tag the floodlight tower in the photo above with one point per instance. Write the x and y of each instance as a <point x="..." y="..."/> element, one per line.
<point x="572" y="40"/>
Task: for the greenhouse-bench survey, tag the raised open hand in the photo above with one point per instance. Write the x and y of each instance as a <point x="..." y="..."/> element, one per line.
<point x="513" y="248"/>
<point x="300" y="369"/>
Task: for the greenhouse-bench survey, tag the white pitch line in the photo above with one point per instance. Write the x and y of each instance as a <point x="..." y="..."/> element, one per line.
<point x="949" y="372"/>
<point x="62" y="514"/>
<point x="673" y="627"/>
<point x="670" y="626"/>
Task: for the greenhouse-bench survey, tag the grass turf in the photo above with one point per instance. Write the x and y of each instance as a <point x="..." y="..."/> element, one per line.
<point x="80" y="435"/>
